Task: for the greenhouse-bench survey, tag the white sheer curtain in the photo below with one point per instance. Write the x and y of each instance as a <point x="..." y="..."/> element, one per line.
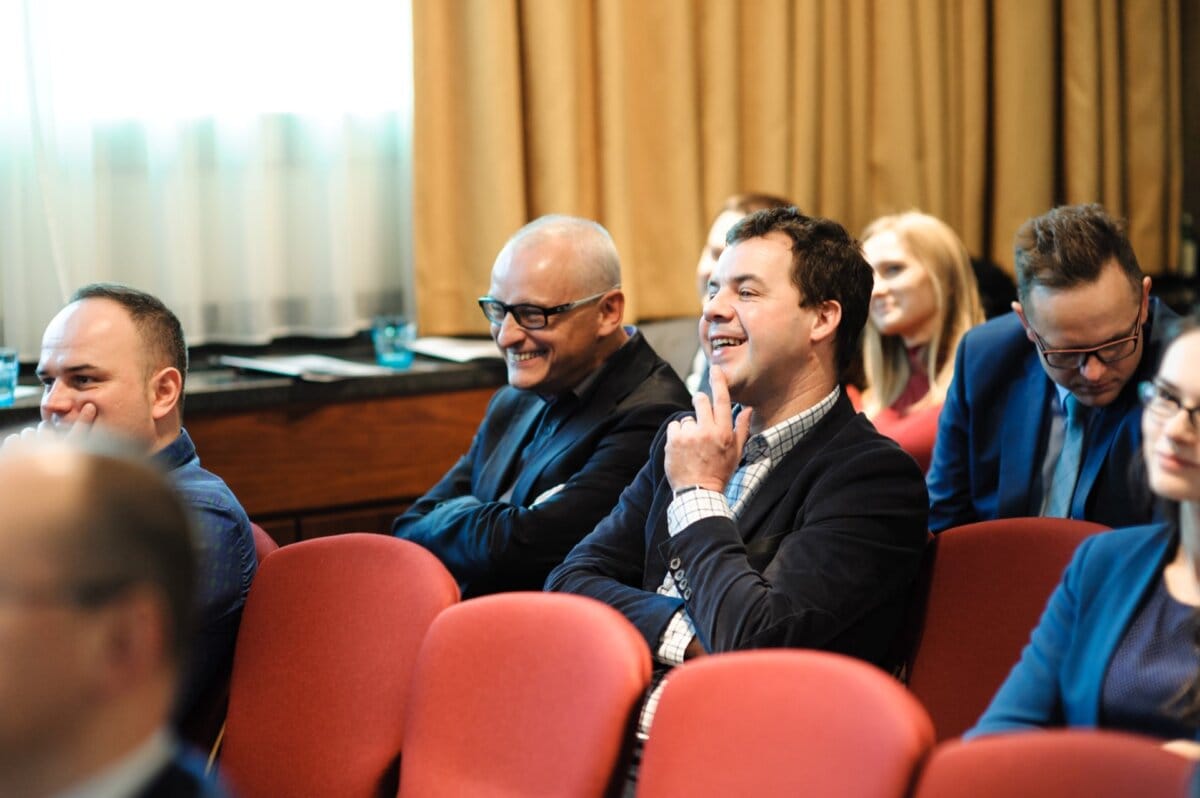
<point x="247" y="162"/>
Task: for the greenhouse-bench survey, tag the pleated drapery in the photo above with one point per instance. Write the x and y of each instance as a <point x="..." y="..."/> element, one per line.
<point x="646" y="114"/>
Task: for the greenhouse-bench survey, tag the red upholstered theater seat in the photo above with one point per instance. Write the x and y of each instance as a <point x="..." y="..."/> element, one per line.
<point x="988" y="585"/>
<point x="1055" y="764"/>
<point x="523" y="694"/>
<point x="323" y="664"/>
<point x="783" y="722"/>
<point x="264" y="544"/>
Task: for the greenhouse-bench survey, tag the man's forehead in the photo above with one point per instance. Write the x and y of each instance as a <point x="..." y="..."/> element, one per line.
<point x="1065" y="321"/>
<point x="97" y="325"/>
<point x="545" y="269"/>
<point x="759" y="257"/>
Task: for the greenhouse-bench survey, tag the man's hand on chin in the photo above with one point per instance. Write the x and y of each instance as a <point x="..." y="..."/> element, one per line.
<point x="703" y="450"/>
<point x="44" y="430"/>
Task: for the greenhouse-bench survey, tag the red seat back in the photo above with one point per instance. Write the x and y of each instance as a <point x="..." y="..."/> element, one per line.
<point x="783" y="722"/>
<point x="523" y="694"/>
<point x="323" y="665"/>
<point x="1054" y="764"/>
<point x="264" y="544"/>
<point x="987" y="587"/>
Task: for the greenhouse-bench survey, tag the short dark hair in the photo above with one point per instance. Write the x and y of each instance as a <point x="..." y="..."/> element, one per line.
<point x="137" y="530"/>
<point x="162" y="334"/>
<point x="827" y="264"/>
<point x="1070" y="245"/>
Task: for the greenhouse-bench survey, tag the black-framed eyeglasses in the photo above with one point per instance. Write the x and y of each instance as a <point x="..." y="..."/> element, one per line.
<point x="1107" y="353"/>
<point x="1162" y="403"/>
<point x="531" y="317"/>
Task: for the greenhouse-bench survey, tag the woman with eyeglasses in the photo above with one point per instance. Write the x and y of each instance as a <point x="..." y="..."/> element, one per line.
<point x="924" y="300"/>
<point x="1117" y="644"/>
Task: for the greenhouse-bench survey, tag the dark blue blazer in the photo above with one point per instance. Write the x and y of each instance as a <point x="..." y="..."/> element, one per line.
<point x="824" y="556"/>
<point x="991" y="438"/>
<point x="1060" y="676"/>
<point x="491" y="545"/>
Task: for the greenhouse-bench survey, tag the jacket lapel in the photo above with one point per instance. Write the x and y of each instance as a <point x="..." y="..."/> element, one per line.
<point x="1022" y="429"/>
<point x="626" y="369"/>
<point x="497" y="472"/>
<point x="757" y="512"/>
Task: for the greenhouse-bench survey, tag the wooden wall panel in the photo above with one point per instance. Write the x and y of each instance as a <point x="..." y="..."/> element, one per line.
<point x="309" y="459"/>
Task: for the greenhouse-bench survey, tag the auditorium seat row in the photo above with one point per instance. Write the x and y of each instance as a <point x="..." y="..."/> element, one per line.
<point x="358" y="672"/>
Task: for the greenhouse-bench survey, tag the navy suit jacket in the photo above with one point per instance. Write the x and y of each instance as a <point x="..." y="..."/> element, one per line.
<point x="991" y="439"/>
<point x="491" y="545"/>
<point x="1059" y="679"/>
<point x="824" y="556"/>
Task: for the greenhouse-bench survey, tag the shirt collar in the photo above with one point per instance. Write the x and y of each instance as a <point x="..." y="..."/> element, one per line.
<point x="179" y="452"/>
<point x="777" y="440"/>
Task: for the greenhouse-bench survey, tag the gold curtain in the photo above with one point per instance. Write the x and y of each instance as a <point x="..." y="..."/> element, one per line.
<point x="646" y="114"/>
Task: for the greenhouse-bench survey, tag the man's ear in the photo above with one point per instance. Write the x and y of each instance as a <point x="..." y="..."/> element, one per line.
<point x="828" y="315"/>
<point x="1020" y="311"/>
<point x="612" y="311"/>
<point x="166" y="389"/>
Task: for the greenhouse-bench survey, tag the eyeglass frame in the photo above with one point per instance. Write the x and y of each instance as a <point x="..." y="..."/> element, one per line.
<point x="525" y="307"/>
<point x="1083" y="354"/>
<point x="1150" y="391"/>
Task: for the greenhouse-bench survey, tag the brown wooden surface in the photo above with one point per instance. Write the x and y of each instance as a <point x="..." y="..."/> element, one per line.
<point x="321" y="467"/>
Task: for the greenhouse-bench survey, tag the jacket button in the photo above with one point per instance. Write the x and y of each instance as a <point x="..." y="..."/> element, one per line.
<point x="675" y="563"/>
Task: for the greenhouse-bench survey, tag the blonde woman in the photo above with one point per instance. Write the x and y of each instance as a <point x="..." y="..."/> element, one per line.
<point x="925" y="298"/>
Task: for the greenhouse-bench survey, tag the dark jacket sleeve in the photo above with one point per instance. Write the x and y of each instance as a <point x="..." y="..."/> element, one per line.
<point x="844" y="540"/>
<point x="506" y="545"/>
<point x="949" y="480"/>
<point x="609" y="564"/>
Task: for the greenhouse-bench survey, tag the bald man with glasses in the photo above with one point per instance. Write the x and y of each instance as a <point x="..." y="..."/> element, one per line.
<point x="1043" y="416"/>
<point x="585" y="397"/>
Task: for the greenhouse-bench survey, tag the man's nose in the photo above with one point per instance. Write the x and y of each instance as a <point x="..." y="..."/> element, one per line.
<point x="1092" y="369"/>
<point x="508" y="332"/>
<point x="716" y="306"/>
<point x="56" y="399"/>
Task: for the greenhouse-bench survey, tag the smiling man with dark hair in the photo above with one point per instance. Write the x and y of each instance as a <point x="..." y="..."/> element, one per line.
<point x="774" y="515"/>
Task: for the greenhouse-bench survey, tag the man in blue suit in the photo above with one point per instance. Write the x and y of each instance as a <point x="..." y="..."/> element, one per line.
<point x="1043" y="417"/>
<point x="585" y="397"/>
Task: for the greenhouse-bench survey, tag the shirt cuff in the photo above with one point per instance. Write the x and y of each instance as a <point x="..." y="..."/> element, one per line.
<point x="675" y="639"/>
<point x="694" y="505"/>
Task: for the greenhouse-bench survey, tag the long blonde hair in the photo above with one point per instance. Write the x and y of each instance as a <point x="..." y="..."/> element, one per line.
<point x="939" y="250"/>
